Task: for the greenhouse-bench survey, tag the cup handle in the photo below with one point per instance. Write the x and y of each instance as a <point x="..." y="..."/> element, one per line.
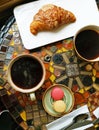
<point x="32" y="96"/>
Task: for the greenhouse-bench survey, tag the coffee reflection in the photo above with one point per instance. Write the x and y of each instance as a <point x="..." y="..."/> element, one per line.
<point x="26" y="72"/>
<point x="87" y="44"/>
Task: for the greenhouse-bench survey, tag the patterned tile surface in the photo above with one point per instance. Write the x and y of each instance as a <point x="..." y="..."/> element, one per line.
<point x="62" y="67"/>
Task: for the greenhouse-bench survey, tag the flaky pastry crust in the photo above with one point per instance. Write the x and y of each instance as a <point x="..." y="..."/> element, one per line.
<point x="50" y="17"/>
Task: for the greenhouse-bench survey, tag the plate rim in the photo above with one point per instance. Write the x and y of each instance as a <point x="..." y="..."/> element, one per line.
<point x="60" y="114"/>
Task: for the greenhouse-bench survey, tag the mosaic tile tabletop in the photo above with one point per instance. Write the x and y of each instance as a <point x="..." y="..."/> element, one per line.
<point x="62" y="67"/>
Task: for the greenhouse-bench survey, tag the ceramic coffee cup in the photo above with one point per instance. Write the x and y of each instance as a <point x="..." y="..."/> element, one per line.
<point x="86" y="43"/>
<point x="26" y="73"/>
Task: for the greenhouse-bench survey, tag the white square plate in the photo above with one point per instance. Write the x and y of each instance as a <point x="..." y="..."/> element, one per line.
<point x="86" y="13"/>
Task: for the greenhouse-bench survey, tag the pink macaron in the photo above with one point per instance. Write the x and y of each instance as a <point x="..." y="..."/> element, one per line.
<point x="57" y="93"/>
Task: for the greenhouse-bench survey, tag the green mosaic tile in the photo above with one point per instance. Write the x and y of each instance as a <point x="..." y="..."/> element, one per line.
<point x="2" y="81"/>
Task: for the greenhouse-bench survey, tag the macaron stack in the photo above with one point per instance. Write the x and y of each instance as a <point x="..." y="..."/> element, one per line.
<point x="57" y="95"/>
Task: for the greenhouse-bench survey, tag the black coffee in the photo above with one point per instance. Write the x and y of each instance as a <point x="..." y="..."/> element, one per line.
<point x="26" y="72"/>
<point x="87" y="44"/>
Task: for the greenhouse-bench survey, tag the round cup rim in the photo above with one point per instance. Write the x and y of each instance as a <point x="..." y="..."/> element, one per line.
<point x="25" y="90"/>
<point x="74" y="38"/>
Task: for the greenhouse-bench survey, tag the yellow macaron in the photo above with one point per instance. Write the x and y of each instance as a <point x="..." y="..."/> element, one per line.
<point x="59" y="106"/>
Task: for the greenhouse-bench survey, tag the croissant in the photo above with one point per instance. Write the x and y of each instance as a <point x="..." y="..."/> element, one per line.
<point x="50" y="17"/>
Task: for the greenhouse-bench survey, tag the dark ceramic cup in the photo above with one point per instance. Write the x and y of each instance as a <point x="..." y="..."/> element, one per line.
<point x="86" y="43"/>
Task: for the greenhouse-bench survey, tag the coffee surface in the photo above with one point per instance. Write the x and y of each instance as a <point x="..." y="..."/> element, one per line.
<point x="26" y="72"/>
<point x="87" y="44"/>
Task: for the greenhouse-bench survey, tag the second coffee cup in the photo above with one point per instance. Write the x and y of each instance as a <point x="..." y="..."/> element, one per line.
<point x="26" y="73"/>
<point x="86" y="43"/>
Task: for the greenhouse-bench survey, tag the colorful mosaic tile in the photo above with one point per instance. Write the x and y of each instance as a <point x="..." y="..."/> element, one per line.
<point x="62" y="66"/>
